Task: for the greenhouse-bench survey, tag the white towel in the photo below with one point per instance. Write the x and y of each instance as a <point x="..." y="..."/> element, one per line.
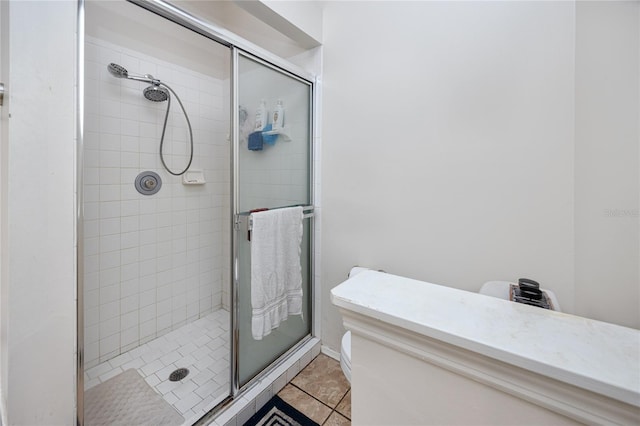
<point x="276" y="274"/>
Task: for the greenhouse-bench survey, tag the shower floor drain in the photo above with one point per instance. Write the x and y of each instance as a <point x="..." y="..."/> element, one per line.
<point x="178" y="375"/>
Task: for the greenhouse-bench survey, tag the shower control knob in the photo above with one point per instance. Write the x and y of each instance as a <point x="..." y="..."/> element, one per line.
<point x="149" y="183"/>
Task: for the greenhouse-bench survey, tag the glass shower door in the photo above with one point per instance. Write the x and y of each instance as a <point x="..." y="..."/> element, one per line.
<point x="155" y="312"/>
<point x="273" y="171"/>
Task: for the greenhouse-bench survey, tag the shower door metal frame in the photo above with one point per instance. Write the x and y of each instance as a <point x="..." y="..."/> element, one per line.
<point x="235" y="379"/>
<point x="237" y="46"/>
<point x="80" y="215"/>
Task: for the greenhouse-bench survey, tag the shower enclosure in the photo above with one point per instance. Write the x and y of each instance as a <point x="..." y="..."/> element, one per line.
<point x="169" y="180"/>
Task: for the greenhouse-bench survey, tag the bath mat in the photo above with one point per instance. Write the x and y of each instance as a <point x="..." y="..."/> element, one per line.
<point x="277" y="412"/>
<point x="127" y="400"/>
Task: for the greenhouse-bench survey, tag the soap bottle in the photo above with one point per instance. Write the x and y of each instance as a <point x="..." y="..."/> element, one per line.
<point x="278" y="116"/>
<point x="261" y="116"/>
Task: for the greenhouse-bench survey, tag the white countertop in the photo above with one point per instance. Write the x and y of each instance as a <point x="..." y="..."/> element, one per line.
<point x="601" y="357"/>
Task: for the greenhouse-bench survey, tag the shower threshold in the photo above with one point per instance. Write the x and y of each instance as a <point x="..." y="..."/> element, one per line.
<point x="202" y="347"/>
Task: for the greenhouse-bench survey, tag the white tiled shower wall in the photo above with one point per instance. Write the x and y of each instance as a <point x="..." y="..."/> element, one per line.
<point x="151" y="263"/>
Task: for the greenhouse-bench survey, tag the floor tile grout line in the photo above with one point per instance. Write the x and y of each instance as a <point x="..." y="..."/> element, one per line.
<point x="342" y="399"/>
<point x="337" y="412"/>
<point x="333" y="410"/>
<point x="307" y="393"/>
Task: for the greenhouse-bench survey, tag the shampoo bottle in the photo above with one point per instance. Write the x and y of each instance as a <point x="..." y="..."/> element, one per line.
<point x="261" y="116"/>
<point x="278" y="116"/>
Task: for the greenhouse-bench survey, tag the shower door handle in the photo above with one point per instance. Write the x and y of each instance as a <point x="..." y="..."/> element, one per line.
<point x="1" y="94"/>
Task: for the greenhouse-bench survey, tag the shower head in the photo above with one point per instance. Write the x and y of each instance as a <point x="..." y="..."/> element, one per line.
<point x="156" y="93"/>
<point x="117" y="71"/>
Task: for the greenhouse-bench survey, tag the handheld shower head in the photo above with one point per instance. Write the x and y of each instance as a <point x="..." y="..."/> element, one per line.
<point x="117" y="71"/>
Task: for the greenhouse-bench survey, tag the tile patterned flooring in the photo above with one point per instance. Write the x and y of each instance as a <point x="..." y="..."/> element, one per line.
<point x="321" y="392"/>
<point x="201" y="346"/>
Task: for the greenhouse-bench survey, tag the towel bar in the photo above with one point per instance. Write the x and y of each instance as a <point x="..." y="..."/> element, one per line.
<point x="304" y="209"/>
<point x="308" y="212"/>
<point x="304" y="216"/>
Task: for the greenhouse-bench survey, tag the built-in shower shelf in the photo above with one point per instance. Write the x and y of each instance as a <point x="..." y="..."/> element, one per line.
<point x="193" y="177"/>
<point x="283" y="134"/>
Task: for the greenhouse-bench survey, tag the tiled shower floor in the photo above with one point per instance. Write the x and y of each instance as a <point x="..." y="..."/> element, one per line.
<point x="201" y="346"/>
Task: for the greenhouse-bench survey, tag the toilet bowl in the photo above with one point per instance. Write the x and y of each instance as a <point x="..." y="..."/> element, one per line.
<point x="345" y="355"/>
<point x="345" y="346"/>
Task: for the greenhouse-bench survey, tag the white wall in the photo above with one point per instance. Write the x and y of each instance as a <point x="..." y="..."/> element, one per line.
<point x="241" y="23"/>
<point x="606" y="161"/>
<point x="299" y="20"/>
<point x="287" y="29"/>
<point x="448" y="144"/>
<point x="40" y="313"/>
<point x="458" y="135"/>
